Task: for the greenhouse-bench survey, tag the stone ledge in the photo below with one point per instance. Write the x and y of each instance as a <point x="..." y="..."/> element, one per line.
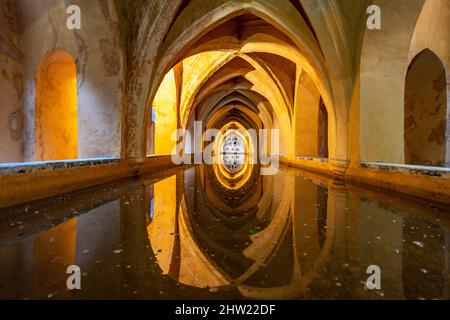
<point x="408" y="169"/>
<point x="318" y="166"/>
<point x="320" y="160"/>
<point x="33" y="181"/>
<point x="430" y="183"/>
<point x="30" y="167"/>
<point x="404" y="180"/>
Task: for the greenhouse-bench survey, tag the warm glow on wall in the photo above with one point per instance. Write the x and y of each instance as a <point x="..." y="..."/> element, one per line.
<point x="58" y="243"/>
<point x="165" y="105"/>
<point x="165" y="218"/>
<point x="56" y="108"/>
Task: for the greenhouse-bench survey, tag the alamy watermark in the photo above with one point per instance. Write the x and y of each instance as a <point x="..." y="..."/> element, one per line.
<point x="73" y="22"/>
<point x="74" y="280"/>
<point x="374" y="281"/>
<point x="374" y="20"/>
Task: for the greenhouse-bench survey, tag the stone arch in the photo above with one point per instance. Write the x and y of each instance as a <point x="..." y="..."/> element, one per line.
<point x="265" y="43"/>
<point x="268" y="86"/>
<point x="224" y="99"/>
<point x="216" y="60"/>
<point x="249" y="102"/>
<point x="188" y="27"/>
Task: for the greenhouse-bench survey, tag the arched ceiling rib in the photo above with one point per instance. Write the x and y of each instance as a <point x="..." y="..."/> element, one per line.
<point x="275" y="37"/>
<point x="257" y="73"/>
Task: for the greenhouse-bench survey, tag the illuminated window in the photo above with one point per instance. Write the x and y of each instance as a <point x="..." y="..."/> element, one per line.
<point x="233" y="144"/>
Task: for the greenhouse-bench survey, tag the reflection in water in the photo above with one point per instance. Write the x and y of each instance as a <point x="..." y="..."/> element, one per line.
<point x="208" y="232"/>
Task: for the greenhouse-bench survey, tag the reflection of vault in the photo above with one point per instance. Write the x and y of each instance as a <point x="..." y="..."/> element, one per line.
<point x="239" y="189"/>
<point x="196" y="267"/>
<point x="233" y="195"/>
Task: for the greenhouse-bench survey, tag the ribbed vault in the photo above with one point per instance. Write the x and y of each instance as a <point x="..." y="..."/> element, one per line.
<point x="254" y="50"/>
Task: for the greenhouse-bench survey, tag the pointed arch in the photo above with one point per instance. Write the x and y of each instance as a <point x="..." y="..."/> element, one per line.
<point x="426" y="111"/>
<point x="183" y="32"/>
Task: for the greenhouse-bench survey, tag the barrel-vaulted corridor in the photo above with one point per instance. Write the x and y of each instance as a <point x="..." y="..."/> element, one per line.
<point x="262" y="149"/>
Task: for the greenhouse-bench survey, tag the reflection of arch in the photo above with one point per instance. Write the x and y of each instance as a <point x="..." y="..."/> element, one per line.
<point x="425" y="111"/>
<point x="56" y="108"/>
<point x="220" y="189"/>
<point x="263" y="244"/>
<point x="199" y="267"/>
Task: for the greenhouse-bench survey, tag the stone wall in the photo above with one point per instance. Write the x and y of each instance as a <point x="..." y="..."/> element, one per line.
<point x="408" y="27"/>
<point x="56" y="108"/>
<point x="307" y="118"/>
<point x="425" y="111"/>
<point x="11" y="84"/>
<point x="96" y="48"/>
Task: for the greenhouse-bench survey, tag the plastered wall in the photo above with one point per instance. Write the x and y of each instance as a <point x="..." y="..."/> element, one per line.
<point x="425" y="111"/>
<point x="11" y="84"/>
<point x="99" y="63"/>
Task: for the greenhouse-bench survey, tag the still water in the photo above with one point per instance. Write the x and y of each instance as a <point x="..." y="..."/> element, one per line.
<point x="225" y="232"/>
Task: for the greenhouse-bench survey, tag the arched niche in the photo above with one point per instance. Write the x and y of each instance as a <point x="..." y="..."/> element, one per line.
<point x="323" y="151"/>
<point x="56" y="116"/>
<point x="382" y="73"/>
<point x="425" y="111"/>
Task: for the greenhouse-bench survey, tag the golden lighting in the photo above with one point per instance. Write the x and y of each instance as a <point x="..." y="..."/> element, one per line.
<point x="230" y="181"/>
<point x="165" y="218"/>
<point x="165" y="105"/>
<point x="226" y="177"/>
<point x="56" y="117"/>
<point x="237" y="129"/>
